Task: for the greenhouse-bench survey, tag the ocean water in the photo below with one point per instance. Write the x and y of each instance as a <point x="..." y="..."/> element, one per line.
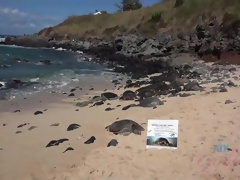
<point x="26" y="64"/>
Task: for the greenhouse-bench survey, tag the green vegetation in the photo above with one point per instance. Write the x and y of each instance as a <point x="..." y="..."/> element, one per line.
<point x="179" y="3"/>
<point x="127" y="5"/>
<point x="156" y="17"/>
<point x="147" y="20"/>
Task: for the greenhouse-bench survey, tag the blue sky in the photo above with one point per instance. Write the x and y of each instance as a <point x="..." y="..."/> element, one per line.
<point x="29" y="16"/>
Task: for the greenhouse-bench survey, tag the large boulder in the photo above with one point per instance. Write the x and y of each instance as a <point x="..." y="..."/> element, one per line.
<point x="193" y="86"/>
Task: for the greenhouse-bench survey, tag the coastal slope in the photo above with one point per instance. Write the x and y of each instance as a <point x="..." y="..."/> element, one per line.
<point x="159" y="18"/>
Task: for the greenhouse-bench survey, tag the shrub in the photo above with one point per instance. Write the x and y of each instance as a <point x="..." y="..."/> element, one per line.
<point x="156" y="17"/>
<point x="179" y="3"/>
<point x="127" y="5"/>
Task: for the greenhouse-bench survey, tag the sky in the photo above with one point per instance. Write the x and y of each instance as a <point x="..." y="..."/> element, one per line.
<point x="18" y="17"/>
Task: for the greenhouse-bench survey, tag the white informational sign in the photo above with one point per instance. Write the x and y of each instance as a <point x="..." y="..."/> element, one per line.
<point x="162" y="134"/>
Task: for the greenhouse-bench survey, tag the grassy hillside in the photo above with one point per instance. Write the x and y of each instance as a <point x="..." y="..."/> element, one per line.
<point x="161" y="17"/>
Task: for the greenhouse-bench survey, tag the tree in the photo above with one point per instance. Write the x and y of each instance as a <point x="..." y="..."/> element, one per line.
<point x="127" y="5"/>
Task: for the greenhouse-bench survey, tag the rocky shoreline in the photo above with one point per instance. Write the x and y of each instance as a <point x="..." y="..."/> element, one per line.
<point x="170" y="55"/>
<point x="211" y="41"/>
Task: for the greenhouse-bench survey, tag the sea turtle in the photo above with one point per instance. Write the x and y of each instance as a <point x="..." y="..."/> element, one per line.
<point x="96" y="99"/>
<point x="109" y="95"/>
<point x="125" y="127"/>
<point x="150" y="102"/>
<point x="128" y="95"/>
<point x="163" y="142"/>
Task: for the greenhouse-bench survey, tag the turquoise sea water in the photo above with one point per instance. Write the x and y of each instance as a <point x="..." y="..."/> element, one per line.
<point x="24" y="64"/>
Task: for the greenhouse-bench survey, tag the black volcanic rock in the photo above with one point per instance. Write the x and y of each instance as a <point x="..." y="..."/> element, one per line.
<point x="128" y="106"/>
<point x="185" y="94"/>
<point x="231" y="84"/>
<point x="14" y="84"/>
<point x="109" y="109"/>
<point x="46" y="62"/>
<point x="72" y="90"/>
<point x="38" y="112"/>
<point x="223" y="89"/>
<point x="68" y="149"/>
<point x="192" y="86"/>
<point x="20" y="60"/>
<point x="28" y="41"/>
<point x="113" y="142"/>
<point x="72" y="127"/>
<point x="4" y="66"/>
<point x="90" y="140"/>
<point x="129" y="81"/>
<point x="56" y="142"/>
<point x="21" y="125"/>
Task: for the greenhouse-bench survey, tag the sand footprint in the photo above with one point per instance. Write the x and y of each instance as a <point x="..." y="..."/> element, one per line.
<point x="203" y="138"/>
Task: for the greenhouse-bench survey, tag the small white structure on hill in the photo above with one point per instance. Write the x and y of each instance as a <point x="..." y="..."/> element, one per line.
<point x="2" y="39"/>
<point x="97" y="12"/>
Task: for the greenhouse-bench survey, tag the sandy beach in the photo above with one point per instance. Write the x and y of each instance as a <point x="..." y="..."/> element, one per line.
<point x="204" y="121"/>
<point x="120" y="90"/>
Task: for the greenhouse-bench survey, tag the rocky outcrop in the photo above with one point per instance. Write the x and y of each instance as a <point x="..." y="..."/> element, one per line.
<point x="28" y="41"/>
<point x="210" y="40"/>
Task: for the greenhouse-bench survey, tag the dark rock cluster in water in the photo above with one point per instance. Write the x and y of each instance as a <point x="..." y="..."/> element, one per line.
<point x="46" y="62"/>
<point x="17" y="84"/>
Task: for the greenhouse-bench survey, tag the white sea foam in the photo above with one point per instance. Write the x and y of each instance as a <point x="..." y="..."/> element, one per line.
<point x="60" y="49"/>
<point x="75" y="79"/>
<point x="3" y="84"/>
<point x="79" y="52"/>
<point x="34" y="79"/>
